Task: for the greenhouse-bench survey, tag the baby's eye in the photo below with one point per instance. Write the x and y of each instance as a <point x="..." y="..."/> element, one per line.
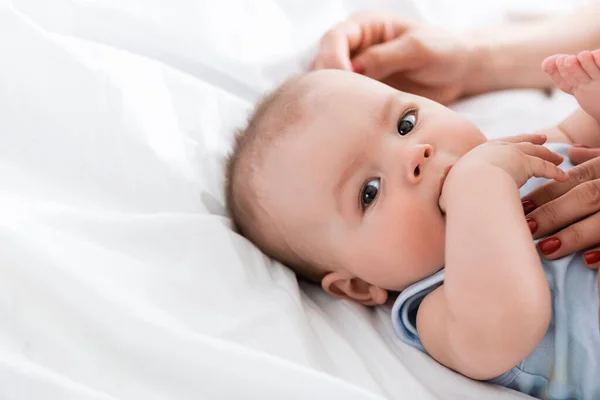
<point x="407" y="123"/>
<point x="369" y="192"/>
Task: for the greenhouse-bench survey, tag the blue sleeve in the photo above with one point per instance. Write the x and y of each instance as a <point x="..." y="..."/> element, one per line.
<point x="406" y="306"/>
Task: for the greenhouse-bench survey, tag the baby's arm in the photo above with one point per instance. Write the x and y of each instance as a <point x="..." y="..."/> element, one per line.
<point x="494" y="306"/>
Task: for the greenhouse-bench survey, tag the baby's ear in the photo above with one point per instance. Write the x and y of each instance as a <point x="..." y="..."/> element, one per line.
<point x="344" y="285"/>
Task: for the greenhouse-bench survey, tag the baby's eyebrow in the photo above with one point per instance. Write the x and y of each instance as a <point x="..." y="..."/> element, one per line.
<point x="387" y="108"/>
<point x="345" y="176"/>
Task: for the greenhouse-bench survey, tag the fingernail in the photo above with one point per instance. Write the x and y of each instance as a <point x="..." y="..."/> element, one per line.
<point x="581" y="146"/>
<point x="356" y="67"/>
<point x="532" y="225"/>
<point x="591" y="257"/>
<point x="528" y="206"/>
<point x="549" y="245"/>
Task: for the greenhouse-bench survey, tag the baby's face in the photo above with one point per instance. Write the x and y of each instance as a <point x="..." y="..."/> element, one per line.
<point x="356" y="183"/>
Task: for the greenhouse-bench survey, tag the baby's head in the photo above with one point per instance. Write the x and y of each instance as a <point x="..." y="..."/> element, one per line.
<point x="338" y="176"/>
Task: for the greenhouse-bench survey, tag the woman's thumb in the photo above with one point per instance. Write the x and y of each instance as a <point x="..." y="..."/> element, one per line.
<point x="382" y="60"/>
<point x="579" y="155"/>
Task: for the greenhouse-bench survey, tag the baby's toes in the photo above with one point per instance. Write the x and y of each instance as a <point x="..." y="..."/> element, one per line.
<point x="549" y="64"/>
<point x="565" y="82"/>
<point x="576" y="72"/>
<point x="571" y="71"/>
<point x="589" y="65"/>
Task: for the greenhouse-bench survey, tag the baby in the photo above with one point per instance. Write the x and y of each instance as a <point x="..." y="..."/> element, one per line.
<point x="368" y="190"/>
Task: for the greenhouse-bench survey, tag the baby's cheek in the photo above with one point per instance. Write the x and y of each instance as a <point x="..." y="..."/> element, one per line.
<point x="464" y="136"/>
<point x="401" y="243"/>
<point x="422" y="236"/>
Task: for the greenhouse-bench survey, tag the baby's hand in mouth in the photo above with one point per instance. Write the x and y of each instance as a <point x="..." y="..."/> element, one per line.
<point x="442" y="205"/>
<point x="441" y="200"/>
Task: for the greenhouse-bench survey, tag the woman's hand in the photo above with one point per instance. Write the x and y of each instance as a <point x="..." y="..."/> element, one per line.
<point x="579" y="154"/>
<point x="569" y="211"/>
<point x="445" y="66"/>
<point x="413" y="58"/>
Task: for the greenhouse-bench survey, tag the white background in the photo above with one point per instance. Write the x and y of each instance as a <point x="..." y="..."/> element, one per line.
<point x="119" y="275"/>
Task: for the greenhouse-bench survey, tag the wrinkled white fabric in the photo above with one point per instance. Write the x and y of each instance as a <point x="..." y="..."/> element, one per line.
<point x="119" y="275"/>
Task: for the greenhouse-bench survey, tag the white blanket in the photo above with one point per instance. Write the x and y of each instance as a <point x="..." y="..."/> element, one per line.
<point x="120" y="277"/>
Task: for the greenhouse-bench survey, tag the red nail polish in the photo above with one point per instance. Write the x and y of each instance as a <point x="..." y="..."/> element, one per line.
<point x="581" y="146"/>
<point x="532" y="225"/>
<point x="359" y="69"/>
<point x="591" y="257"/>
<point x="549" y="245"/>
<point x="528" y="206"/>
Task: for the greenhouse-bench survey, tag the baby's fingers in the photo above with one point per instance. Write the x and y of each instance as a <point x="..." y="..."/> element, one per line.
<point x="541" y="168"/>
<point x="540" y="152"/>
<point x="535" y="138"/>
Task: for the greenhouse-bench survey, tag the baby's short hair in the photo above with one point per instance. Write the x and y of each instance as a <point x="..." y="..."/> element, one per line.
<point x="271" y="119"/>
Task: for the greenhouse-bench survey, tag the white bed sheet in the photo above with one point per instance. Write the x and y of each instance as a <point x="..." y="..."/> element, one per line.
<point x="119" y="275"/>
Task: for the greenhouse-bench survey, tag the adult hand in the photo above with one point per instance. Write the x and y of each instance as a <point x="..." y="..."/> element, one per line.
<point x="413" y="58"/>
<point x="579" y="154"/>
<point x="569" y="211"/>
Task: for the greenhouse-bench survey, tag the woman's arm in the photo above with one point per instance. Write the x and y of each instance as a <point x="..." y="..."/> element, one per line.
<point x="509" y="56"/>
<point x="445" y="65"/>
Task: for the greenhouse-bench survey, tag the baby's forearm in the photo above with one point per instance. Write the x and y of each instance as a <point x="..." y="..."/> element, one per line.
<point x="510" y="56"/>
<point x="494" y="284"/>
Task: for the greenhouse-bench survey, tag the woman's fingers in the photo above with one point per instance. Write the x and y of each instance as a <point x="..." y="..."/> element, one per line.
<point x="334" y="48"/>
<point x="579" y="236"/>
<point x="579" y="155"/>
<point x="382" y="60"/>
<point x="581" y="201"/>
<point x="359" y="32"/>
<point x="587" y="171"/>
<point x="591" y="258"/>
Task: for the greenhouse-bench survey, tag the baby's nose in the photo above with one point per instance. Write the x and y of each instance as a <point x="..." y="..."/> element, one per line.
<point x="418" y="159"/>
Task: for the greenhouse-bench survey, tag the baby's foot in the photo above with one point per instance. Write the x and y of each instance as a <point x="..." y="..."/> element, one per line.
<point x="578" y="75"/>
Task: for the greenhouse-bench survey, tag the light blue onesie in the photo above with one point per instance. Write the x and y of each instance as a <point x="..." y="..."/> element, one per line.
<point x="566" y="364"/>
